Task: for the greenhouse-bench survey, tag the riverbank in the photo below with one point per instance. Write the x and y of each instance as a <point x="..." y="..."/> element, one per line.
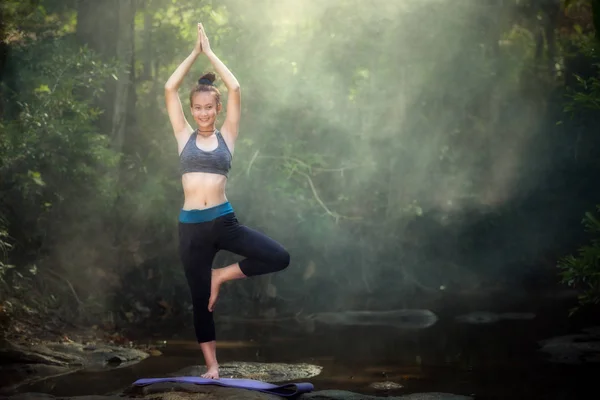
<point x="509" y="349"/>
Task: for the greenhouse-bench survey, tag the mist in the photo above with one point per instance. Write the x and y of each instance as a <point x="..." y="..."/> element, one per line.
<point x="407" y="131"/>
<point x="400" y="151"/>
<point x="431" y="166"/>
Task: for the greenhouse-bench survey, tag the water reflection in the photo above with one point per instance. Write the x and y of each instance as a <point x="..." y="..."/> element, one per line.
<point x="493" y="360"/>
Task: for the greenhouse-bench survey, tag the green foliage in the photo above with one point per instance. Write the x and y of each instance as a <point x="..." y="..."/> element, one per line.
<point x="358" y="121"/>
<point x="51" y="152"/>
<point x="582" y="271"/>
<point x="5" y="246"/>
<point x="586" y="97"/>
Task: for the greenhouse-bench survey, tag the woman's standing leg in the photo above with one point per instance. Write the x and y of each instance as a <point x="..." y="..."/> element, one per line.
<point x="197" y="251"/>
<point x="263" y="255"/>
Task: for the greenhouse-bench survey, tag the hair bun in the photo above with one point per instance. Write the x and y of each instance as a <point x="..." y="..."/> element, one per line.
<point x="207" y="79"/>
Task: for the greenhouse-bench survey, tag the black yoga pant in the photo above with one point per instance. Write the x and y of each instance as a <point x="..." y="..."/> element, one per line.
<point x="198" y="245"/>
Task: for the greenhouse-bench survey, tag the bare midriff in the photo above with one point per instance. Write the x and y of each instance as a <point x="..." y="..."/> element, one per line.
<point x="203" y="190"/>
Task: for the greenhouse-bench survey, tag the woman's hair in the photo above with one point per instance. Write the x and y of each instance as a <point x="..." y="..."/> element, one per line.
<point x="206" y="84"/>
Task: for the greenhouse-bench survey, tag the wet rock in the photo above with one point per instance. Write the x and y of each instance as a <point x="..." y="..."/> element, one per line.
<point x="42" y="396"/>
<point x="93" y="397"/>
<point x="16" y="375"/>
<point x="13" y="353"/>
<point x="27" y="365"/>
<point x="266" y="372"/>
<point x="31" y="396"/>
<point x="479" y="317"/>
<point x="173" y="391"/>
<point x="434" y="396"/>
<point x="487" y="317"/>
<point x="385" y="385"/>
<point x="574" y="349"/>
<point x="402" y="319"/>
<point x="594" y="331"/>
<point x="338" y="395"/>
<point x="345" y="395"/>
<point x="71" y="354"/>
<point x="165" y="391"/>
<point x="100" y="356"/>
<point x="517" y="316"/>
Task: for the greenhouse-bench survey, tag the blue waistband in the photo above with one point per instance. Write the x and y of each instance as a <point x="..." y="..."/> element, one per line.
<point x="205" y="215"/>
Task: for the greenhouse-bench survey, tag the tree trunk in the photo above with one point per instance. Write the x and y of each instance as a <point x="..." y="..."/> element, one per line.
<point x="147" y="42"/>
<point x="125" y="55"/>
<point x="3" y="57"/>
<point x="96" y="25"/>
<point x="596" y="17"/>
<point x="96" y="29"/>
<point x="107" y="28"/>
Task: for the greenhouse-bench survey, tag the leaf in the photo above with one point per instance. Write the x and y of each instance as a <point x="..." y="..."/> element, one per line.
<point x="42" y="89"/>
<point x="36" y="177"/>
<point x="219" y="17"/>
<point x="271" y="290"/>
<point x="310" y="270"/>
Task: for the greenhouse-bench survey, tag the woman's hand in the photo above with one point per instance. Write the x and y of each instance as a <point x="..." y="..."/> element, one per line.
<point x="202" y="43"/>
<point x="198" y="45"/>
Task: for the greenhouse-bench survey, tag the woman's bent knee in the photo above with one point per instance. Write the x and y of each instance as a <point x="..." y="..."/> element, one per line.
<point x="281" y="260"/>
<point x="274" y="261"/>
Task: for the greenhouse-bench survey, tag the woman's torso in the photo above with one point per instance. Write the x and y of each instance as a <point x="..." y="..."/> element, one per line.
<point x="204" y="163"/>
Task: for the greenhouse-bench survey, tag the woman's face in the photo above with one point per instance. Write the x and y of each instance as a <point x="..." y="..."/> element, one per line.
<point x="205" y="110"/>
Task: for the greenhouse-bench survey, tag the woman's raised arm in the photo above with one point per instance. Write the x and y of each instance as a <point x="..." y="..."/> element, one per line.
<point x="232" y="119"/>
<point x="181" y="128"/>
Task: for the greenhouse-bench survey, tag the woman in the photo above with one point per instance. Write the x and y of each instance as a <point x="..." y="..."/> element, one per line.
<point x="207" y="222"/>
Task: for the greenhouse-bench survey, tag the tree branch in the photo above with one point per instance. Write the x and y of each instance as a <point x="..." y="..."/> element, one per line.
<point x="333" y="214"/>
<point x="68" y="283"/>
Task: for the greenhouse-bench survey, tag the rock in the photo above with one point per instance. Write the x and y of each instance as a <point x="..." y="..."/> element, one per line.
<point x="106" y="356"/>
<point x="337" y="395"/>
<point x="594" y="331"/>
<point x="26" y="365"/>
<point x="73" y="354"/>
<point x="93" y="397"/>
<point x="42" y="396"/>
<point x="523" y="316"/>
<point x="32" y="396"/>
<point x="37" y="354"/>
<point x="165" y="389"/>
<point x="487" y="317"/>
<point x="266" y="372"/>
<point x="402" y="319"/>
<point x="175" y="391"/>
<point x="345" y="395"/>
<point x="15" y="375"/>
<point x="385" y="385"/>
<point x="434" y="396"/>
<point x="574" y="349"/>
<point x="478" y="317"/>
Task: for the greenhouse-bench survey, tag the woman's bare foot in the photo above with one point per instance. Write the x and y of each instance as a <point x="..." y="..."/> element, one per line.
<point x="215" y="285"/>
<point x="212" y="372"/>
<point x="220" y="276"/>
<point x="209" y="351"/>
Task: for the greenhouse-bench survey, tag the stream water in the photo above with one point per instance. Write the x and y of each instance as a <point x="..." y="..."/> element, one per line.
<point x="499" y="360"/>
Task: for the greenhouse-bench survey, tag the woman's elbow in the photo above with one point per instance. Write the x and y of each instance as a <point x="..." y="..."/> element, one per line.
<point x="170" y="87"/>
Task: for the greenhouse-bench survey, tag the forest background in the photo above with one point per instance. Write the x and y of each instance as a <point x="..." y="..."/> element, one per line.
<point x="401" y="151"/>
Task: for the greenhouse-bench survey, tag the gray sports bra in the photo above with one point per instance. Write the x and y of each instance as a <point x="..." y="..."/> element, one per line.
<point x="194" y="159"/>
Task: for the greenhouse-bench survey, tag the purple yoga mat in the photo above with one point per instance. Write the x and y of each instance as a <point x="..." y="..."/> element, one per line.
<point x="286" y="390"/>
